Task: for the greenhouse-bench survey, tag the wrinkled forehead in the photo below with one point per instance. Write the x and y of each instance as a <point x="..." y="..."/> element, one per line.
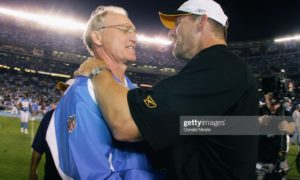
<point x="116" y="18"/>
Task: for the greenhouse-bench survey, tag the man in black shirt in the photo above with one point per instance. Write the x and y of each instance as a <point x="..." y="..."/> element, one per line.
<point x="214" y="82"/>
<point x="272" y="162"/>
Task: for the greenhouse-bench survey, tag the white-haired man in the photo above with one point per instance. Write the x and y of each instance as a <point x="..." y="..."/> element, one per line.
<point x="83" y="147"/>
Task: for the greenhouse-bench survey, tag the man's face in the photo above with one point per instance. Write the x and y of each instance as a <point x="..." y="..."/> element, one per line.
<point x="119" y="38"/>
<point x="182" y="37"/>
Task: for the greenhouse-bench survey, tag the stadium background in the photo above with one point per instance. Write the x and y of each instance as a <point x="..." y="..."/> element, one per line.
<point x="33" y="58"/>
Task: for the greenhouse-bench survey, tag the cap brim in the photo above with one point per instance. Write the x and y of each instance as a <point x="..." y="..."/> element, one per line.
<point x="168" y="19"/>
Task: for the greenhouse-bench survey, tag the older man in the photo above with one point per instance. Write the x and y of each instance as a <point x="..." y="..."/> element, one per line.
<point x="214" y="82"/>
<point x="79" y="139"/>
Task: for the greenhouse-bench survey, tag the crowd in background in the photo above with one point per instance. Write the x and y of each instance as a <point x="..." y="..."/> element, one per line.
<point x="39" y="88"/>
<point x="37" y="41"/>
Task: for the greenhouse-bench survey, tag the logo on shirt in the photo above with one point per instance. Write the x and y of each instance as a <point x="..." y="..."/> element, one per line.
<point x="71" y="123"/>
<point x="149" y="102"/>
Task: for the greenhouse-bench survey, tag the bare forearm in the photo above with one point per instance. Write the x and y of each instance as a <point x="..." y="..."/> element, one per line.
<point x="112" y="98"/>
<point x="35" y="160"/>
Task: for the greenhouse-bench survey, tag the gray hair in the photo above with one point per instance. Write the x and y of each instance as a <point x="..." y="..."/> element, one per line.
<point x="96" y="22"/>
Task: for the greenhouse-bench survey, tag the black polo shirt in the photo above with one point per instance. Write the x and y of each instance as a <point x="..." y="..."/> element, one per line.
<point x="215" y="82"/>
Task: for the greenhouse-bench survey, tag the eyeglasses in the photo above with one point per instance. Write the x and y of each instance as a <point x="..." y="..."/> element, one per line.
<point x="122" y="27"/>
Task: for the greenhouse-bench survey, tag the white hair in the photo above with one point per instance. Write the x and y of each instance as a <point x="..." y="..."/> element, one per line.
<point x="96" y="22"/>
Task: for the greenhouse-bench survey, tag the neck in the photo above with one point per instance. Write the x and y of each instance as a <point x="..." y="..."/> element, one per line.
<point x="211" y="42"/>
<point x="117" y="69"/>
<point x="208" y="39"/>
<point x="201" y="46"/>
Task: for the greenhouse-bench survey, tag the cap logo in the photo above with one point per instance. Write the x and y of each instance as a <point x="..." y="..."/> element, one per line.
<point x="149" y="102"/>
<point x="201" y="11"/>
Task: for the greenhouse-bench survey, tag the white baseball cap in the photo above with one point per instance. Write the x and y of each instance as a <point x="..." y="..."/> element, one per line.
<point x="199" y="7"/>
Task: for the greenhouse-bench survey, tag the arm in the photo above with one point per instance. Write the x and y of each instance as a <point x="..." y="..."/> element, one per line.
<point x="35" y="160"/>
<point x="112" y="98"/>
<point x="39" y="145"/>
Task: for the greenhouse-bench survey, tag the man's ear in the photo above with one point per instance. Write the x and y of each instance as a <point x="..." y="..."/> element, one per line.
<point x="201" y="21"/>
<point x="96" y="38"/>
